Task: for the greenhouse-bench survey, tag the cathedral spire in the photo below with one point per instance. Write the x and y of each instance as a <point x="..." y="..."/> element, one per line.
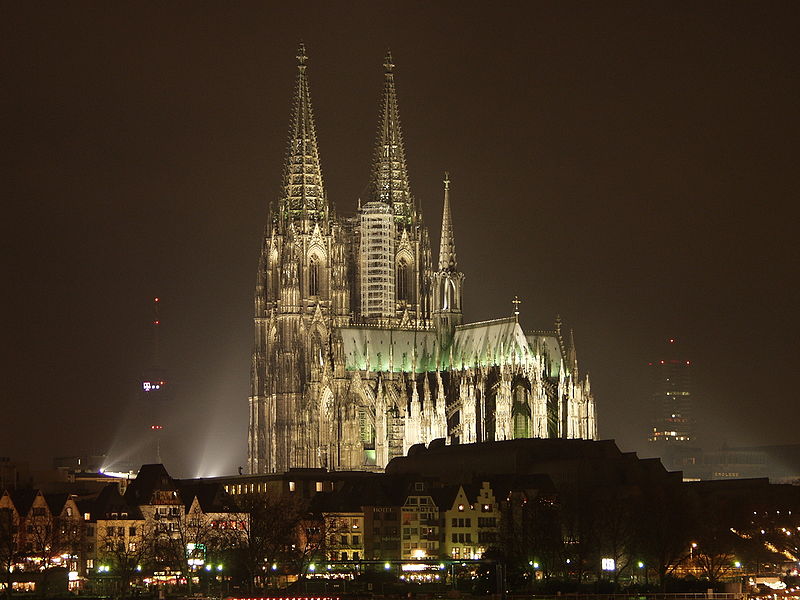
<point x="389" y="172"/>
<point x="447" y="244"/>
<point x="303" y="196"/>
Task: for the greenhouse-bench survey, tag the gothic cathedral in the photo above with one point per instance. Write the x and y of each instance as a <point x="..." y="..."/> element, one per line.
<point x="360" y="346"/>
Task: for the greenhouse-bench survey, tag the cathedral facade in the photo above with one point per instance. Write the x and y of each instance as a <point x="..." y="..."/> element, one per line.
<point x="360" y="346"/>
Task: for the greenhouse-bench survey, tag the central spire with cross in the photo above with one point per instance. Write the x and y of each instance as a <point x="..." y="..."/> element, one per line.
<point x="447" y="243"/>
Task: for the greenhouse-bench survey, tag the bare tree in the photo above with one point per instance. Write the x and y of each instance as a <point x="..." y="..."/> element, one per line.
<point x="126" y="556"/>
<point x="10" y="553"/>
<point x="665" y="530"/>
<point x="198" y="538"/>
<point x="615" y="529"/>
<point x="270" y="537"/>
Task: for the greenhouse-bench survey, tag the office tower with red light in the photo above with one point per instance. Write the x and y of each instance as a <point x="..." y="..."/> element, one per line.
<point x="672" y="398"/>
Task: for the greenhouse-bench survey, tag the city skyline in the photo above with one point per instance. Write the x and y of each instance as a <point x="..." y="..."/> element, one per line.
<point x="637" y="159"/>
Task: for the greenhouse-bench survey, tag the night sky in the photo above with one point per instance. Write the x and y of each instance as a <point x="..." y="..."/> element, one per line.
<point x="631" y="166"/>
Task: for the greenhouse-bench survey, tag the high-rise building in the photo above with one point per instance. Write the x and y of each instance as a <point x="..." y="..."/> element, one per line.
<point x="360" y="347"/>
<point x="672" y="398"/>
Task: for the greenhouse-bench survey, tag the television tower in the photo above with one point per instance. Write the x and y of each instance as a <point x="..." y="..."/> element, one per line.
<point x="154" y="387"/>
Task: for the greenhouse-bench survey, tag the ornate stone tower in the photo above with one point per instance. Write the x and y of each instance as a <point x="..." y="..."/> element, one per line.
<point x="301" y="291"/>
<point x="394" y="280"/>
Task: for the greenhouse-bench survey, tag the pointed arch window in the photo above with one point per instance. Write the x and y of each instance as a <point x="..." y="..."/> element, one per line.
<point x="402" y="280"/>
<point x="521" y="412"/>
<point x="448" y="294"/>
<point x="313" y="277"/>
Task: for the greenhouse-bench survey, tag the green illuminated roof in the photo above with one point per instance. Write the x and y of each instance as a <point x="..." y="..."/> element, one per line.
<point x="487" y="343"/>
<point x="396" y="350"/>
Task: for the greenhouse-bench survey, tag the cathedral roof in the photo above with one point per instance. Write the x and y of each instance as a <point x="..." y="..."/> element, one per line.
<point x="486" y="343"/>
<point x="396" y="350"/>
<point x="496" y="342"/>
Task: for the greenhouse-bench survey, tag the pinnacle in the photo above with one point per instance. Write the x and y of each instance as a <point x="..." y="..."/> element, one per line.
<point x="447" y="244"/>
<point x="301" y="55"/>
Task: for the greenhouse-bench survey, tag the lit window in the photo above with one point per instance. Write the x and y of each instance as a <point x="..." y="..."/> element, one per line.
<point x="319" y="486"/>
<point x="292" y="486"/>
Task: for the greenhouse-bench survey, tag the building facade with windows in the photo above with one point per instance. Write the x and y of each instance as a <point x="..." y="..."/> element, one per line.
<point x="360" y="346"/>
<point x="672" y="399"/>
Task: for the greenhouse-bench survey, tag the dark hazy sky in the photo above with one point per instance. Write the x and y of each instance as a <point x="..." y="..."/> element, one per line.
<point x="632" y="166"/>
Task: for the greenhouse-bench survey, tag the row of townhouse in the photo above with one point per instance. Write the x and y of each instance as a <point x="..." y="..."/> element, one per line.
<point x="39" y="532"/>
<point x="400" y="519"/>
<point x="160" y="522"/>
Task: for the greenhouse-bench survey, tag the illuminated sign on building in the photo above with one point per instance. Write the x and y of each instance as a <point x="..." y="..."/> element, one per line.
<point x="152" y="386"/>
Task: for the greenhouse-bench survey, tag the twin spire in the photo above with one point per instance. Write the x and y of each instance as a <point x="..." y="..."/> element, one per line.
<point x="389" y="171"/>
<point x="303" y="192"/>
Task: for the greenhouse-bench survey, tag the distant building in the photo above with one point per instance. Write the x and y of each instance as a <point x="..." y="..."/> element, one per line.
<point x="672" y="399"/>
<point x="780" y="463"/>
<point x="13" y="474"/>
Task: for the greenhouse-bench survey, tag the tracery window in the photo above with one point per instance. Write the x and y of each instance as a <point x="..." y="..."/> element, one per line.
<point x="313" y="277"/>
<point x="520" y="411"/>
<point x="402" y="280"/>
